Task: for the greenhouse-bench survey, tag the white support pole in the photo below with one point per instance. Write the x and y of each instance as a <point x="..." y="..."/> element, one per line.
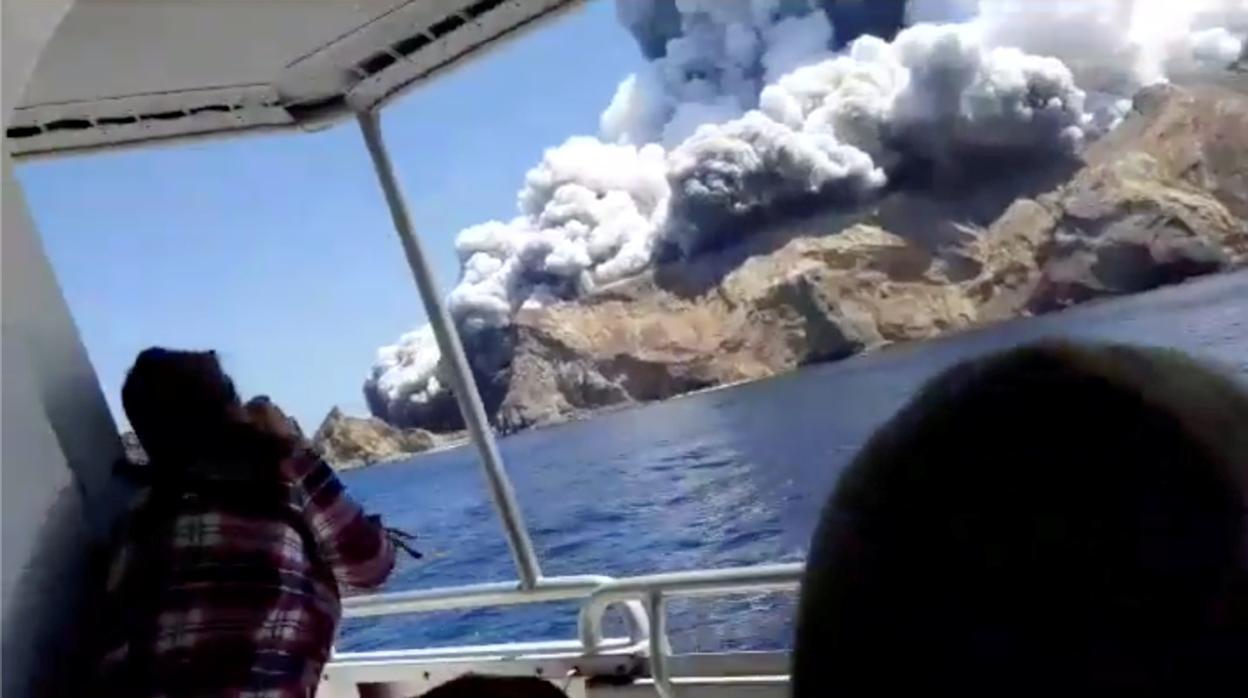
<point x="660" y="648"/>
<point x="462" y="382"/>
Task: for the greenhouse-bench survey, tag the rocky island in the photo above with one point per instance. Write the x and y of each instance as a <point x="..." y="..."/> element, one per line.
<point x="1162" y="198"/>
<point x="351" y="442"/>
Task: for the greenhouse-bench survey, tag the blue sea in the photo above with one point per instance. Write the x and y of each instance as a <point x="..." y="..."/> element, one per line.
<point x="728" y="477"/>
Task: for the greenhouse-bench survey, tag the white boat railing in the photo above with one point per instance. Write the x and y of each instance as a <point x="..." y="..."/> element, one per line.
<point x="643" y="598"/>
<point x="655" y="589"/>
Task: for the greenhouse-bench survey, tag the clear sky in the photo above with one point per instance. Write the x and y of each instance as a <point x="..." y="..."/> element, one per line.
<point x="277" y="250"/>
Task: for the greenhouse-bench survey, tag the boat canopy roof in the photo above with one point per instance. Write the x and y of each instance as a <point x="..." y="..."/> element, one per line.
<point x="132" y="71"/>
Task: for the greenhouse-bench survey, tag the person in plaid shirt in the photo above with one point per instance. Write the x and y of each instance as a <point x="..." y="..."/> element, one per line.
<point x="228" y="580"/>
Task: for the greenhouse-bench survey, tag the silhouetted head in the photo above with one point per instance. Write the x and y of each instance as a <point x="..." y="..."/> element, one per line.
<point x="1051" y="518"/>
<point x="184" y="409"/>
<point x="178" y="400"/>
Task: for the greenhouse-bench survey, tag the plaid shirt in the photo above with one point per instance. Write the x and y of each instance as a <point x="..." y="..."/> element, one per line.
<point x="230" y="589"/>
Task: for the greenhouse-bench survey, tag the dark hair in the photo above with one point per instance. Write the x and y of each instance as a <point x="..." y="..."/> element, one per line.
<point x="1049" y="518"/>
<point x="478" y="686"/>
<point x="184" y="408"/>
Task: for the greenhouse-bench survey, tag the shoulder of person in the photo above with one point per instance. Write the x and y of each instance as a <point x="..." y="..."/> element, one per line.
<point x="302" y="462"/>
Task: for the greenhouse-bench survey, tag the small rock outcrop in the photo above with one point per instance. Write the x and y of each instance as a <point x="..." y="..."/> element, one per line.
<point x="350" y="442"/>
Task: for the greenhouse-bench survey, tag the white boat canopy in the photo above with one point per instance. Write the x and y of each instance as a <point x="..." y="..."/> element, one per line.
<point x="132" y="71"/>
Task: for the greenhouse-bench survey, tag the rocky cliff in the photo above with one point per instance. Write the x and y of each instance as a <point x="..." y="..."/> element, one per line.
<point x="350" y="442"/>
<point x="814" y="299"/>
<point x="1161" y="199"/>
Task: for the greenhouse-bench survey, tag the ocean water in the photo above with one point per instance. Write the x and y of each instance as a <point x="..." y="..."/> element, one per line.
<point x="728" y="477"/>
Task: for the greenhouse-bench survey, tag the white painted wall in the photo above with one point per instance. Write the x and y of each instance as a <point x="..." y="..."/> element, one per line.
<point x="57" y="497"/>
<point x="45" y="536"/>
<point x="34" y="312"/>
<point x="26" y="26"/>
<point x="58" y="441"/>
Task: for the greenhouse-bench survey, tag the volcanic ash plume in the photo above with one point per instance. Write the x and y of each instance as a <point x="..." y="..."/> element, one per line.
<point x="752" y="106"/>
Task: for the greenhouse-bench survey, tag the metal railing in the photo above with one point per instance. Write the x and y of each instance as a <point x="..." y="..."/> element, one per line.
<point x="655" y="589"/>
<point x="546" y="589"/>
<point x="643" y="598"/>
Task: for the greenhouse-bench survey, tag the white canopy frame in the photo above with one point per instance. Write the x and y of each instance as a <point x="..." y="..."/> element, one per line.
<point x="80" y="101"/>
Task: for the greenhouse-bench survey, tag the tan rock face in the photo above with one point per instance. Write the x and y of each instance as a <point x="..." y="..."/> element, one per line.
<point x="1162" y="199"/>
<point x="1158" y="202"/>
<point x="815" y="299"/>
<point x="348" y="442"/>
<point x="1195" y="135"/>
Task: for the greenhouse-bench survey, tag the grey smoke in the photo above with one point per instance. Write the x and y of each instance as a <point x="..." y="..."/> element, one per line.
<point x="727" y="171"/>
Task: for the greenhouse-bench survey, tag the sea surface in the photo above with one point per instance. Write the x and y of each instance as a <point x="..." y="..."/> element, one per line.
<point x="727" y="477"/>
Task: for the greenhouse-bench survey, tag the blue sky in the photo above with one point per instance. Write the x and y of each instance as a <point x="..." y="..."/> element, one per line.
<point x="277" y="250"/>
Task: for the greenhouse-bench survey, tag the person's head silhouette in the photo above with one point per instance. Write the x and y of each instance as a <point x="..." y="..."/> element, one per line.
<point x="1051" y="518"/>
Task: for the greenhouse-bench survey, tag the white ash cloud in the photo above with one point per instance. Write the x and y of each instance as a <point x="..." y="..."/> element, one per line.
<point x="407" y="371"/>
<point x="589" y="215"/>
<point x="754" y="162"/>
<point x="1116" y="45"/>
<point x="719" y="56"/>
<point x="745" y="106"/>
<point x="834" y="128"/>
